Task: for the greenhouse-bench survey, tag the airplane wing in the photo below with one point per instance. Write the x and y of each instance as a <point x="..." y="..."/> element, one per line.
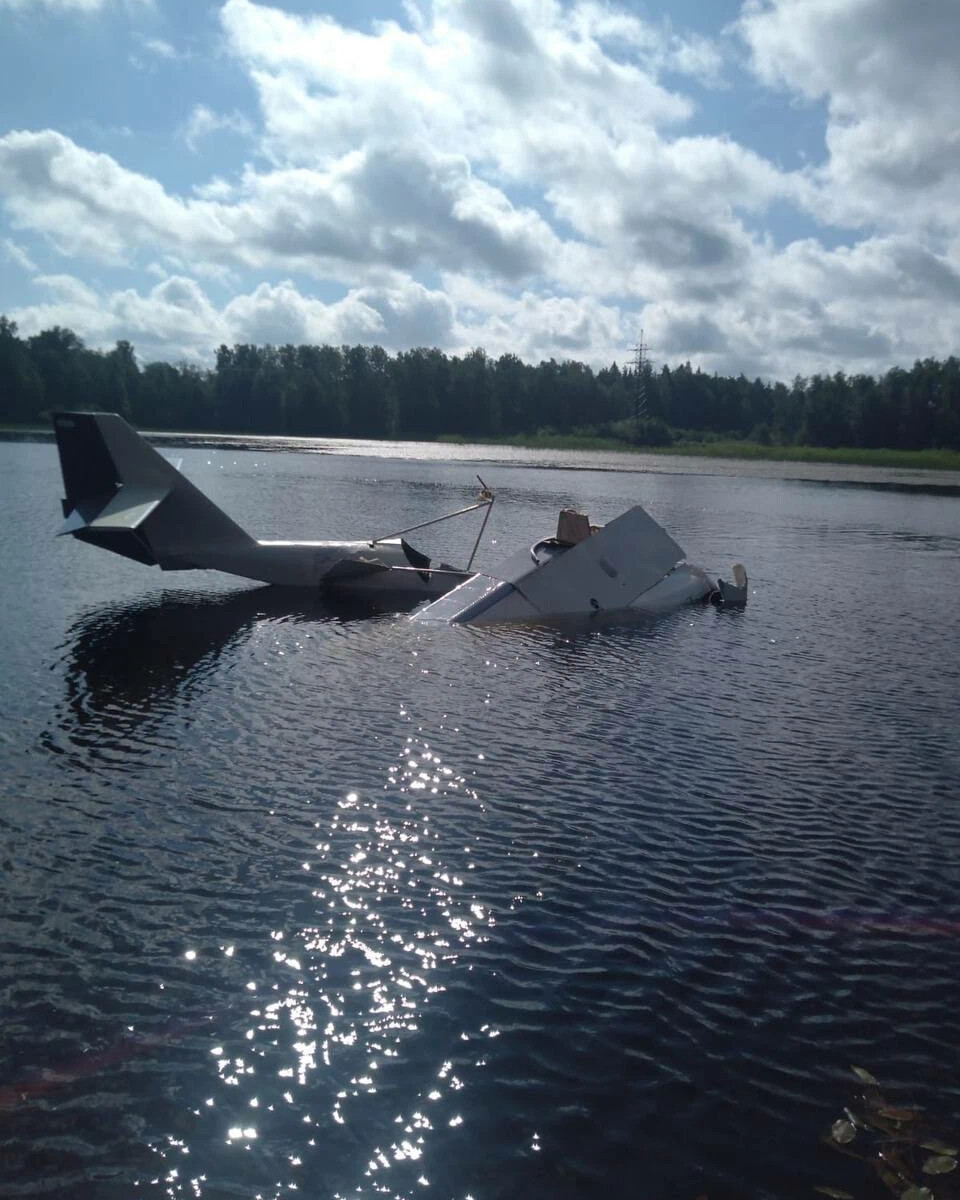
<point x="606" y="570"/>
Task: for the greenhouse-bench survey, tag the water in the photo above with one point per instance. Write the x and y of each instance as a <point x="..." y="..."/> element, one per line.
<point x="295" y="899"/>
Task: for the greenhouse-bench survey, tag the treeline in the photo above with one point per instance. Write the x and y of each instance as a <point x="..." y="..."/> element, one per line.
<point x="362" y="391"/>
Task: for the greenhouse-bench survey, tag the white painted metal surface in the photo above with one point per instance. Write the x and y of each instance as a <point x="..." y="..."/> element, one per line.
<point x="630" y="565"/>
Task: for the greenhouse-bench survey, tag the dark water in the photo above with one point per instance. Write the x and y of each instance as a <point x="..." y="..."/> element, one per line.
<point x="297" y="900"/>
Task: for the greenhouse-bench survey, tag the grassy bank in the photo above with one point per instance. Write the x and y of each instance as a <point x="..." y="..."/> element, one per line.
<point x="932" y="460"/>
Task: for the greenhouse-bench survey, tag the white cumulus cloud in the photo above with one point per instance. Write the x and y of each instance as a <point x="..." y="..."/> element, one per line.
<point x="534" y="176"/>
<point x="175" y="319"/>
<point x="386" y="208"/>
<point x="889" y="76"/>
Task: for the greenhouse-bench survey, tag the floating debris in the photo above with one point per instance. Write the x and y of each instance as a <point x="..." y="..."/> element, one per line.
<point x="843" y="1131"/>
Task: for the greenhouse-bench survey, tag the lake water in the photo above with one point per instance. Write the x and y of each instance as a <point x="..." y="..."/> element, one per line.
<point x="293" y="899"/>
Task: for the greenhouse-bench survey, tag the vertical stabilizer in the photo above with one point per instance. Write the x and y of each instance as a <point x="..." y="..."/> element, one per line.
<point x="125" y="497"/>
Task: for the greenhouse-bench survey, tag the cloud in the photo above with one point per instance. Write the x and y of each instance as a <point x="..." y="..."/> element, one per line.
<point x="176" y="319"/>
<point x="542" y="161"/>
<point x="497" y="95"/>
<point x="87" y="204"/>
<point x="807" y="309"/>
<point x="154" y="50"/>
<point x="536" y="327"/>
<point x="565" y="100"/>
<point x="66" y="5"/>
<point x="801" y="310"/>
<point x="158" y="47"/>
<point x="386" y="208"/>
<point x="888" y="73"/>
<point x="406" y="315"/>
<point x="68" y="288"/>
<point x="681" y="332"/>
<point x="203" y="121"/>
<point x="490" y="75"/>
<point x="410" y="314"/>
<point x="16" y="254"/>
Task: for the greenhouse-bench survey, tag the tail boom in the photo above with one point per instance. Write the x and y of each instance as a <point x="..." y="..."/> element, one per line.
<point x="123" y="496"/>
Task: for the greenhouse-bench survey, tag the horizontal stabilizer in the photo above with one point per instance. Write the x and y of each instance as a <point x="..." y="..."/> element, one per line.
<point x="128" y="509"/>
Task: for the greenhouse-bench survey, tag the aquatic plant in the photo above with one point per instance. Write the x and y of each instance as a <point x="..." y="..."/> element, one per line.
<point x="901" y="1145"/>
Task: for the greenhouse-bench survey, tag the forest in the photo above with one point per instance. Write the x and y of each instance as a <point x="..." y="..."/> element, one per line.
<point x="364" y="392"/>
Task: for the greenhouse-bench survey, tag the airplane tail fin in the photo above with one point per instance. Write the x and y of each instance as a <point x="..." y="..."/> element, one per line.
<point x="125" y="497"/>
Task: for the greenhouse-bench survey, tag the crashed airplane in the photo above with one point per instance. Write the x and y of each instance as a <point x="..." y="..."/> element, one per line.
<point x="629" y="567"/>
<point x="123" y="496"/>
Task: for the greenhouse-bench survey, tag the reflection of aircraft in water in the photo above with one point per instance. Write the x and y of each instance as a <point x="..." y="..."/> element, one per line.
<point x="125" y="497"/>
<point x="126" y="661"/>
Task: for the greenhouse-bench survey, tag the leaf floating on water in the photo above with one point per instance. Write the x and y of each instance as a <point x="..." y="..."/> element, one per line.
<point x="940" y="1164"/>
<point x="843" y="1131"/>
<point x="917" y="1193"/>
<point x="836" y="1193"/>
<point x="864" y="1076"/>
<point x="939" y="1147"/>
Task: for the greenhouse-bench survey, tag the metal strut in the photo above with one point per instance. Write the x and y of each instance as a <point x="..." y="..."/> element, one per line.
<point x="486" y="501"/>
<point x="486" y="518"/>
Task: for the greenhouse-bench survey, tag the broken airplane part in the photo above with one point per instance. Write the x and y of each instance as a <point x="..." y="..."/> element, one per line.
<point x="628" y="568"/>
<point x="123" y="496"/>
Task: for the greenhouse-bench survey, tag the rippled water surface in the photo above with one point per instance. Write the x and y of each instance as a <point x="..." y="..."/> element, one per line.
<point x="298" y="901"/>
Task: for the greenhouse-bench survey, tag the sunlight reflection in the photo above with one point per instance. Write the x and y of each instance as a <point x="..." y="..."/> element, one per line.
<point x="337" y="1031"/>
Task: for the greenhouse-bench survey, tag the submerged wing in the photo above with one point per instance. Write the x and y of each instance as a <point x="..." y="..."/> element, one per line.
<point x="607" y="570"/>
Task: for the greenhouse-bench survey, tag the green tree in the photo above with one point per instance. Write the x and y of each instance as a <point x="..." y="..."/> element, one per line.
<point x="370" y="402"/>
<point x="471" y="409"/>
<point x="322" y="399"/>
<point x="21" y="388"/>
<point x="421" y="383"/>
<point x="120" y="380"/>
<point x="510" y="384"/>
<point x="236" y="370"/>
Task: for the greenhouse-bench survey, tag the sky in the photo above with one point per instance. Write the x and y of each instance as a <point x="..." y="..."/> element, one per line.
<point x="765" y="186"/>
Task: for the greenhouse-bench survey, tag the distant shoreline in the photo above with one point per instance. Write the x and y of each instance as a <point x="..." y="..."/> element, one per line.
<point x="932" y="460"/>
<point x="923" y="460"/>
